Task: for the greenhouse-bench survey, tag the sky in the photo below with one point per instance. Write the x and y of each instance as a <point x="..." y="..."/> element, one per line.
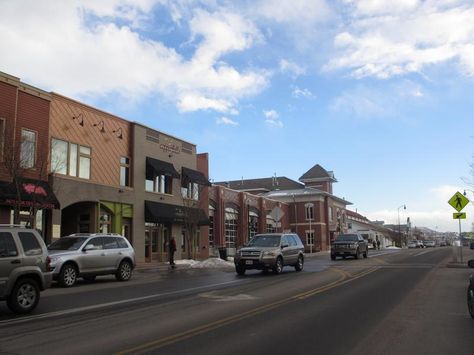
<point x="379" y="92"/>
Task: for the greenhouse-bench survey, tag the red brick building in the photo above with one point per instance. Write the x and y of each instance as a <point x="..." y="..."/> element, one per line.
<point x="25" y="195"/>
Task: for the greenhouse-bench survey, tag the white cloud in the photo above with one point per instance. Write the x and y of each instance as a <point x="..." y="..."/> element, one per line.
<point x="103" y="57"/>
<point x="226" y="121"/>
<point x="298" y="92"/>
<point x="367" y="102"/>
<point x="386" y="39"/>
<point x="272" y="118"/>
<point x="296" y="11"/>
<point x="292" y="68"/>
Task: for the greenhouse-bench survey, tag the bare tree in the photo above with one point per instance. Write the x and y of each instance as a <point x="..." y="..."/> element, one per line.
<point x="25" y="168"/>
<point x="192" y="216"/>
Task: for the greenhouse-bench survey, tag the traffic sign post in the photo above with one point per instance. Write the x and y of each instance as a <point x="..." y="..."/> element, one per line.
<point x="458" y="202"/>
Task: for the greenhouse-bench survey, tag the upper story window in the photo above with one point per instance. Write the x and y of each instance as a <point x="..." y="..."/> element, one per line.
<point x="124" y="171"/>
<point x="309" y="209"/>
<point x="330" y="214"/>
<point x="160" y="183"/>
<point x="70" y="159"/>
<point x="2" y="137"/>
<point x="190" y="190"/>
<point x="28" y="149"/>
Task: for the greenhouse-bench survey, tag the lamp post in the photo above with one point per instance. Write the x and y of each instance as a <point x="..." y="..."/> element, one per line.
<point x="399" y="233"/>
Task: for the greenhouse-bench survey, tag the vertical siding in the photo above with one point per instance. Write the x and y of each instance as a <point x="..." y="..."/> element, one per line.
<point x="106" y="148"/>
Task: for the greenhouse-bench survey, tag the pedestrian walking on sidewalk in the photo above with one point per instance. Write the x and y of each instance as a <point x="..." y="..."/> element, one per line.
<point x="171" y="250"/>
<point x="378" y="243"/>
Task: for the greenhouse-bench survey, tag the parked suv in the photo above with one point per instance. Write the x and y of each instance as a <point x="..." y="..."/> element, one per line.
<point x="349" y="244"/>
<point x="89" y="255"/>
<point x="24" y="267"/>
<point x="270" y="251"/>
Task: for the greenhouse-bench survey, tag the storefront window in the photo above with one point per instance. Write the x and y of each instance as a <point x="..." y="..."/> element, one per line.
<point x="105" y="223"/>
<point x="253" y="223"/>
<point x="271" y="224"/>
<point x="231" y="227"/>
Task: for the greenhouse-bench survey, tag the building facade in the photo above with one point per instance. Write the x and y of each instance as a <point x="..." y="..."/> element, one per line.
<point x="26" y="196"/>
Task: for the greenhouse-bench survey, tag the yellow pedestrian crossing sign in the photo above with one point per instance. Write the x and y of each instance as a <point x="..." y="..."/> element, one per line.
<point x="458" y="201"/>
<point x="459" y="215"/>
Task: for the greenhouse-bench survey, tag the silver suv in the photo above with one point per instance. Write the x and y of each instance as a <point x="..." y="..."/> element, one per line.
<point x="270" y="251"/>
<point x="88" y="255"/>
<point x="24" y="267"/>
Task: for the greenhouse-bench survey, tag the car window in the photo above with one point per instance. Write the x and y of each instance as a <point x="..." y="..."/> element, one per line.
<point x="7" y="245"/>
<point x="67" y="243"/>
<point x="96" y="242"/>
<point x="291" y="240"/>
<point x="347" y="237"/>
<point x="110" y="243"/>
<point x="122" y="243"/>
<point x="265" y="241"/>
<point x="30" y="243"/>
<point x="297" y="240"/>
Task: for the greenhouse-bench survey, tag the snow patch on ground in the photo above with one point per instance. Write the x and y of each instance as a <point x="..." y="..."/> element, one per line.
<point x="392" y="247"/>
<point x="211" y="263"/>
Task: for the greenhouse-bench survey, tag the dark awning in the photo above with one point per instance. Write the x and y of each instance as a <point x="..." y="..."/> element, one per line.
<point x="159" y="167"/>
<point x="33" y="193"/>
<point x="156" y="212"/>
<point x="190" y="175"/>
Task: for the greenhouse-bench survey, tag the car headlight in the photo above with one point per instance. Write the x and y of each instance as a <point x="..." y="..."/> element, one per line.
<point x="269" y="253"/>
<point x="354" y="245"/>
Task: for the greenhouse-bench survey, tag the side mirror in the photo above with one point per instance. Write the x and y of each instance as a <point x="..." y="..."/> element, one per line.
<point x="283" y="246"/>
<point x="470" y="263"/>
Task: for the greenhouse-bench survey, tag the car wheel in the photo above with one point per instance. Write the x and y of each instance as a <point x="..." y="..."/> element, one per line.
<point x="357" y="254"/>
<point x="68" y="275"/>
<point x="124" y="271"/>
<point x="299" y="264"/>
<point x="240" y="270"/>
<point x="333" y="257"/>
<point x="24" y="296"/>
<point x="89" y="278"/>
<point x="278" y="266"/>
<point x="470" y="300"/>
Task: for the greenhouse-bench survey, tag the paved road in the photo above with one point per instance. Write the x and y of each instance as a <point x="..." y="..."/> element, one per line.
<point x="402" y="302"/>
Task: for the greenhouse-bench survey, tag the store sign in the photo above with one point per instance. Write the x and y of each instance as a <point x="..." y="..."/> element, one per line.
<point x="170" y="146"/>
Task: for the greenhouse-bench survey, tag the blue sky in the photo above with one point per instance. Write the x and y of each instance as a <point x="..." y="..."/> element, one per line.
<point x="380" y="92"/>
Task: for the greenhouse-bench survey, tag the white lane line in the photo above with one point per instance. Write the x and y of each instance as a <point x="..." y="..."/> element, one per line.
<point x="108" y="304"/>
<point x="423" y="252"/>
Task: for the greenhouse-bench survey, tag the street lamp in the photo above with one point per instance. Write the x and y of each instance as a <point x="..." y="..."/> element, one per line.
<point x="399" y="233"/>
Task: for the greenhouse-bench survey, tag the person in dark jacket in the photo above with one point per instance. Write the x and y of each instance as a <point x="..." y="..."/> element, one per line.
<point x="172" y="249"/>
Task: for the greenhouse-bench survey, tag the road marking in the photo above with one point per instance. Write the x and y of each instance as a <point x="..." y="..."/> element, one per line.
<point x="423" y="252"/>
<point x="108" y="304"/>
<point x="156" y="344"/>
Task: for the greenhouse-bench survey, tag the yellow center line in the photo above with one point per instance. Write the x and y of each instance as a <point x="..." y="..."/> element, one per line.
<point x="155" y="344"/>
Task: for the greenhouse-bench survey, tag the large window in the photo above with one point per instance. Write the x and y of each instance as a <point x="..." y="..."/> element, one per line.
<point x="211" y="225"/>
<point x="330" y="214"/>
<point x="160" y="183"/>
<point x="124" y="171"/>
<point x="2" y="137"/>
<point x="309" y="208"/>
<point x="310" y="237"/>
<point x="28" y="148"/>
<point x="190" y="190"/>
<point x="231" y="227"/>
<point x="253" y="223"/>
<point x="271" y="224"/>
<point x="70" y="159"/>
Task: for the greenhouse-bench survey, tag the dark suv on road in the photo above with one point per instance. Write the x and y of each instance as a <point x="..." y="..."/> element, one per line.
<point x="270" y="251"/>
<point x="24" y="267"/>
<point x="349" y="244"/>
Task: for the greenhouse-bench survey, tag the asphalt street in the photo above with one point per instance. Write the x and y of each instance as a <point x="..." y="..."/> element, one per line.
<point x="394" y="302"/>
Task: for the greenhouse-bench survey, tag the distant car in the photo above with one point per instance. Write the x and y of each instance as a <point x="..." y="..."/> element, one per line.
<point x="412" y="244"/>
<point x="349" y="245"/>
<point x="442" y="243"/>
<point x="24" y="267"/>
<point x="429" y="243"/>
<point x="270" y="251"/>
<point x="89" y="255"/>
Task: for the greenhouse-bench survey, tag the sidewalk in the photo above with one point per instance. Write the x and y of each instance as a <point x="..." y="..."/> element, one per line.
<point x="467" y="254"/>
